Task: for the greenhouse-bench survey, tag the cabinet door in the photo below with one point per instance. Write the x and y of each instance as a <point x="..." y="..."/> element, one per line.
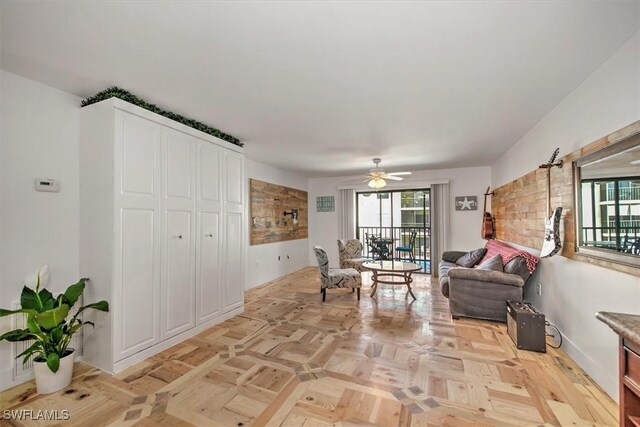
<point x="234" y="236"/>
<point x="178" y="249"/>
<point x="136" y="295"/>
<point x="208" y="234"/>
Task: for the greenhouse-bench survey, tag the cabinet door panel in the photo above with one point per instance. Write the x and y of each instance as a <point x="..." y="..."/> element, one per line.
<point x="209" y="172"/>
<point x="234" y="287"/>
<point x="208" y="274"/>
<point x="177" y="278"/>
<point x="177" y="162"/>
<point x="139" y="283"/>
<point x="139" y="138"/>
<point x="234" y="172"/>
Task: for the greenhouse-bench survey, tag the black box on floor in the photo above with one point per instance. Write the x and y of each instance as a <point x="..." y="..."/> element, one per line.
<point x="525" y="326"/>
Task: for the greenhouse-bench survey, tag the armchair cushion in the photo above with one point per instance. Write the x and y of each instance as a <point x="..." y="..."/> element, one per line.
<point x="335" y="277"/>
<point x="471" y="258"/>
<point x="355" y="263"/>
<point x="350" y="253"/>
<point x="494" y="263"/>
<point x="349" y="249"/>
<point x="343" y="278"/>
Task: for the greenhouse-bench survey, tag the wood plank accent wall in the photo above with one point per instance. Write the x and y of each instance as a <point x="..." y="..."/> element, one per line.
<point x="519" y="207"/>
<point x="268" y="202"/>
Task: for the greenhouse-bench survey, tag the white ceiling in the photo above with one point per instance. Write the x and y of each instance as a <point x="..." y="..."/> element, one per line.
<point x="321" y="87"/>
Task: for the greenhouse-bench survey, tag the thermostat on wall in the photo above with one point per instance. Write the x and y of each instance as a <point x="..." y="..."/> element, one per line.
<point x="45" y="184"/>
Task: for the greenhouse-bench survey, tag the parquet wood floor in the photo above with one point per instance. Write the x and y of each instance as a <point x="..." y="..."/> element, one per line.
<point x="292" y="360"/>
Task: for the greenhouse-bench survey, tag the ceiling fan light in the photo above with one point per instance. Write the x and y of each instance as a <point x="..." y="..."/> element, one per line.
<point x="377" y="183"/>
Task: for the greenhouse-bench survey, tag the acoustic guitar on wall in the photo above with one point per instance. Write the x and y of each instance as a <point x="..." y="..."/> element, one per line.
<point x="552" y="243"/>
<point x="488" y="226"/>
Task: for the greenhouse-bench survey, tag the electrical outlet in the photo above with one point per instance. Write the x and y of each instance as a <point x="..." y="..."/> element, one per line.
<point x="539" y="288"/>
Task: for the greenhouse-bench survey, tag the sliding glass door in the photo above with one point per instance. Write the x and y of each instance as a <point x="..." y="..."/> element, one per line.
<point x="393" y="215"/>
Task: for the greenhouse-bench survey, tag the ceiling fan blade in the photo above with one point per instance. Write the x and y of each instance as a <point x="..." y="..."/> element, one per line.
<point x="399" y="173"/>
<point x="393" y="178"/>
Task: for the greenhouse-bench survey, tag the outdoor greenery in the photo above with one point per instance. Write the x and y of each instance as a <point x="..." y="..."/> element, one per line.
<point x="47" y="323"/>
<point x="116" y="92"/>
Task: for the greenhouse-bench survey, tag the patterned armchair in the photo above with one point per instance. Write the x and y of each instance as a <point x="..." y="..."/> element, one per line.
<point x="336" y="277"/>
<point x="350" y="252"/>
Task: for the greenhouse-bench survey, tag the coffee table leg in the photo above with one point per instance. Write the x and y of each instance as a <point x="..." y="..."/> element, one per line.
<point x="408" y="280"/>
<point x="375" y="282"/>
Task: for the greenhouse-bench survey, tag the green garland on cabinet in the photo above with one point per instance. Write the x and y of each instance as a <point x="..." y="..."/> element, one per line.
<point x="116" y="92"/>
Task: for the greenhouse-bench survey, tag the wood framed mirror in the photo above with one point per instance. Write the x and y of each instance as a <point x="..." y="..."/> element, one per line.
<point x="607" y="197"/>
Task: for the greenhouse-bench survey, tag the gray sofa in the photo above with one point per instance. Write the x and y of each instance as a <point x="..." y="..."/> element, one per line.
<point x="481" y="294"/>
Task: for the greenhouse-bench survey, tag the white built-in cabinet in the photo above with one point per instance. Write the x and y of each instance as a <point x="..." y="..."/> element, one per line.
<point x="162" y="231"/>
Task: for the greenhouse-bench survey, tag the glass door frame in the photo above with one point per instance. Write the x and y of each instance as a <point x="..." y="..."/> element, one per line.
<point x="424" y="231"/>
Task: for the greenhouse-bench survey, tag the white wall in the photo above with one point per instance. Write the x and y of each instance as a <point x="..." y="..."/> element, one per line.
<point x="262" y="260"/>
<point x="38" y="138"/>
<point x="464" y="226"/>
<point x="572" y="291"/>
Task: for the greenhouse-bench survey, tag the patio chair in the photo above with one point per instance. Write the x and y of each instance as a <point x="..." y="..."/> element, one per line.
<point x="336" y="277"/>
<point x="377" y="249"/>
<point x="408" y="248"/>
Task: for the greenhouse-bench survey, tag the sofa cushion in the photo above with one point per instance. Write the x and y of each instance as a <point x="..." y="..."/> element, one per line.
<point x="452" y="256"/>
<point x="518" y="266"/>
<point x="494" y="263"/>
<point x="471" y="258"/>
<point x="508" y="253"/>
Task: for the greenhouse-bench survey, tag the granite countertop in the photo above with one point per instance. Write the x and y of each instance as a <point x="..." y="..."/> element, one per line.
<point x="625" y="325"/>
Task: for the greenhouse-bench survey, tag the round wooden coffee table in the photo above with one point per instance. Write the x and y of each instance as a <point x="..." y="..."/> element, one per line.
<point x="385" y="270"/>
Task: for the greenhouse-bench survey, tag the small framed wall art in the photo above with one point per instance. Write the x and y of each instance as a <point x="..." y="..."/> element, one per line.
<point x="325" y="204"/>
<point x="466" y="203"/>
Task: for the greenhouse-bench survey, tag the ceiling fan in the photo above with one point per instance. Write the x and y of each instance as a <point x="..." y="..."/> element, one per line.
<point x="377" y="175"/>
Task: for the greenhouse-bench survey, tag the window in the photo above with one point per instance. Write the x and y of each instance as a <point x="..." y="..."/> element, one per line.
<point x="608" y="202"/>
<point x="611" y="213"/>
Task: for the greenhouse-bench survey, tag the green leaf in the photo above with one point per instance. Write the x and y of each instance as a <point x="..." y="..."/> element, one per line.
<point x="100" y="305"/>
<point x="74" y="292"/>
<point x="32" y="325"/>
<point x="76" y="327"/>
<point x="4" y="312"/>
<point x="53" y="362"/>
<point x="46" y="297"/>
<point x="17" y="335"/>
<point x="51" y="318"/>
<point x="29" y="299"/>
<point x="56" y="334"/>
<point x="28" y="352"/>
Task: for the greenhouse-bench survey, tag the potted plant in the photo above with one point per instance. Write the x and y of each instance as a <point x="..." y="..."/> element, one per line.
<point x="50" y="327"/>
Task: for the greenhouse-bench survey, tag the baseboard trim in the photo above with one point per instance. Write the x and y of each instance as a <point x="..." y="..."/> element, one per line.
<point x="603" y="378"/>
<point x="145" y="354"/>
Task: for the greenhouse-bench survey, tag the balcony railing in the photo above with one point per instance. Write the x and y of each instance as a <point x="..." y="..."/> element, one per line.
<point x="625" y="193"/>
<point x="606" y="238"/>
<point x="400" y="237"/>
